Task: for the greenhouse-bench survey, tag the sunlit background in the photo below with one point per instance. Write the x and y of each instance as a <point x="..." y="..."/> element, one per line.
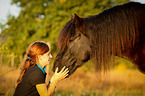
<point x="17" y="31"/>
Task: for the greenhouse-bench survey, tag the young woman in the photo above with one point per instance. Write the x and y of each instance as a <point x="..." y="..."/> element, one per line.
<point x="32" y="78"/>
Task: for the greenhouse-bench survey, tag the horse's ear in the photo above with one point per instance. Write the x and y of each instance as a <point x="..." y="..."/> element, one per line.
<point x="72" y="17"/>
<point x="78" y="21"/>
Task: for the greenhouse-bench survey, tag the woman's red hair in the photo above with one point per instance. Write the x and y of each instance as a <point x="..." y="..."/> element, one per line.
<point x="34" y="49"/>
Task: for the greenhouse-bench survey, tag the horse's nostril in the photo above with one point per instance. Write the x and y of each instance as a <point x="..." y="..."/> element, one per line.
<point x="58" y="58"/>
<point x="53" y="69"/>
<point x="54" y="66"/>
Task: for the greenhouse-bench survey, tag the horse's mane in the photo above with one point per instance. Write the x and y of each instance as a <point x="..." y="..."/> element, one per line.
<point x="113" y="31"/>
<point x="117" y="31"/>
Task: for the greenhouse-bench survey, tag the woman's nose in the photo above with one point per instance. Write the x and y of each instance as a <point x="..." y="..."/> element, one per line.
<point x="50" y="56"/>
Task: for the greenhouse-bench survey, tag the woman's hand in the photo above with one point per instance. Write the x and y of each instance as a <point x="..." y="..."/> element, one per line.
<point x="42" y="89"/>
<point x="59" y="76"/>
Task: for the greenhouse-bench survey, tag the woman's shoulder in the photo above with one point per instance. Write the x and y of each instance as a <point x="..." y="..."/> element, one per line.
<point x="34" y="69"/>
<point x="33" y="74"/>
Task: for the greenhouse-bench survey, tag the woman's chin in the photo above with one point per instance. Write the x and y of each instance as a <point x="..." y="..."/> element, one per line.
<point x="47" y="64"/>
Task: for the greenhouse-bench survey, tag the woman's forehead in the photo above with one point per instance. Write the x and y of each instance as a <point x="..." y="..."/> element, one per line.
<point x="46" y="53"/>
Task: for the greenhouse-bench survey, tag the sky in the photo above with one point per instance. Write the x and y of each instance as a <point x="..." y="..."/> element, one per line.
<point x="6" y="8"/>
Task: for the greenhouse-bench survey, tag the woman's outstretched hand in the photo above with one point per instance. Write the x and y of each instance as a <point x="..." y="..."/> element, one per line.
<point x="55" y="78"/>
<point x="59" y="76"/>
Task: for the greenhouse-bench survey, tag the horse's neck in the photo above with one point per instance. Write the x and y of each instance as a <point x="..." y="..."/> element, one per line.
<point x="136" y="55"/>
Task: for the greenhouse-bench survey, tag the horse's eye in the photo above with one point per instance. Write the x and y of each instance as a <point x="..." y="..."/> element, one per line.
<point x="73" y="38"/>
<point x="70" y="40"/>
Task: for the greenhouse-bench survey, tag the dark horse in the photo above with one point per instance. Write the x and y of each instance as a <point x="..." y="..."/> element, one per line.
<point x="117" y="31"/>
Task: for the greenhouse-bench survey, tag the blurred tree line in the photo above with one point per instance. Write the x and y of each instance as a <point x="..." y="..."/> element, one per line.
<point x="42" y="20"/>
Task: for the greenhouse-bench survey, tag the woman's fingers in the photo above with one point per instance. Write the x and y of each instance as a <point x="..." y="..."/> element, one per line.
<point x="65" y="75"/>
<point x="56" y="70"/>
<point x="62" y="74"/>
<point x="65" y="71"/>
<point x="62" y="70"/>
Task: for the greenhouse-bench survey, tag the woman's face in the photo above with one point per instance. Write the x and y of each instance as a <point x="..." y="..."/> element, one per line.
<point x="45" y="59"/>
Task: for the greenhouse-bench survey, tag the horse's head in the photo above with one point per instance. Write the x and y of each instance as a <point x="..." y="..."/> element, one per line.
<point x="99" y="38"/>
<point x="74" y="45"/>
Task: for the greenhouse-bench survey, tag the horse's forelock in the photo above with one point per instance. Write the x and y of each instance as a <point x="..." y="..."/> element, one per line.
<point x="67" y="31"/>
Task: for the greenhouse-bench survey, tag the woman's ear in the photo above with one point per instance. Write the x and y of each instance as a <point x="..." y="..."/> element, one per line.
<point x="39" y="57"/>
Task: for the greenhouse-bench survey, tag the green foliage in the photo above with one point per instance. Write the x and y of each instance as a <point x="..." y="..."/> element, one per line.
<point x="42" y="20"/>
<point x="3" y="49"/>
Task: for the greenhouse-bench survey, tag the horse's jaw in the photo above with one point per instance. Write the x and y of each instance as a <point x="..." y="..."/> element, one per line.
<point x="72" y="66"/>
